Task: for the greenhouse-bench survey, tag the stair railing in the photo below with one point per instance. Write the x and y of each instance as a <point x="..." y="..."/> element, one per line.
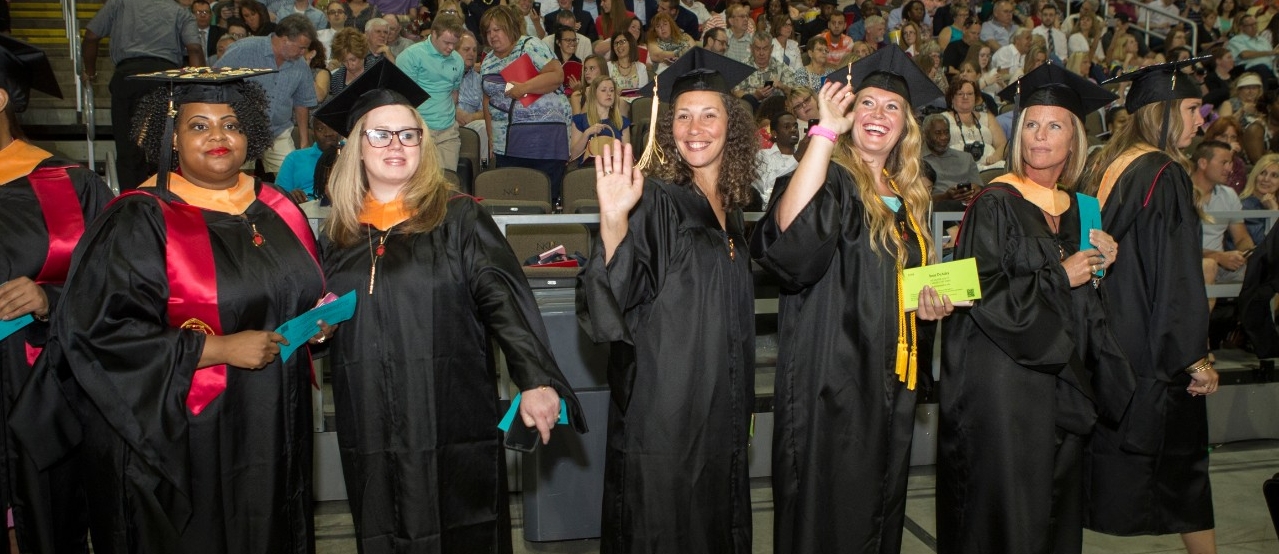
<point x="84" y="90"/>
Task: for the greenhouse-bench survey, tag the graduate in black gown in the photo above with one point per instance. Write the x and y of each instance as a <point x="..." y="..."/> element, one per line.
<point x="670" y="287"/>
<point x="838" y="235"/>
<point x="196" y="437"/>
<point x="414" y="383"/>
<point x="45" y="204"/>
<point x="1027" y="370"/>
<point x="1148" y="474"/>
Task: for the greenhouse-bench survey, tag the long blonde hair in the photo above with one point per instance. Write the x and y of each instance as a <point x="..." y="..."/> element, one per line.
<point x="1264" y="163"/>
<point x="904" y="166"/>
<point x="1075" y="160"/>
<point x="1145" y="127"/>
<point x="426" y="194"/>
<point x="592" y="106"/>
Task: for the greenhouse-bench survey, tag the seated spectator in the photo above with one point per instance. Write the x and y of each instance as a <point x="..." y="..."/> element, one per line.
<point x="237" y="29"/>
<point x="876" y="33"/>
<point x="666" y="42"/>
<point x="802" y="103"/>
<point x="395" y="29"/>
<point x="578" y="19"/>
<point x="785" y="49"/>
<point x="626" y="69"/>
<point x="1260" y="194"/>
<point x="1012" y="58"/>
<point x="351" y="51"/>
<point x="958" y="12"/>
<point x="600" y="124"/>
<point x="576" y="45"/>
<point x="1253" y="50"/>
<point x="909" y="38"/>
<point x="223" y="43"/>
<point x="990" y="79"/>
<point x="951" y="167"/>
<point x="739" y="32"/>
<point x="377" y="32"/>
<point x="297" y="173"/>
<point x="256" y="18"/>
<point x="1211" y="162"/>
<point x="769" y="78"/>
<point x="1228" y="130"/>
<point x="1122" y="57"/>
<point x="998" y="30"/>
<point x="1086" y="38"/>
<point x="1177" y="38"/>
<point x="857" y="29"/>
<point x="716" y="40"/>
<point x="817" y="25"/>
<point x="1245" y="94"/>
<point x="1261" y="134"/>
<point x="685" y="19"/>
<point x="612" y="19"/>
<point x="531" y="18"/>
<point x="318" y="63"/>
<point x="928" y="50"/>
<point x="778" y="159"/>
<point x="470" y="111"/>
<point x="1221" y="74"/>
<point x="811" y="74"/>
<point x="304" y="8"/>
<point x="974" y="132"/>
<point x="361" y="12"/>
<point x="838" y="45"/>
<point x="1055" y="39"/>
<point x="592" y="68"/>
<point x="959" y="50"/>
<point x="337" y="14"/>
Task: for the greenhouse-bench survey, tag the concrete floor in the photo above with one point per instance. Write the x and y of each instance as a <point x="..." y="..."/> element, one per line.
<point x="1238" y="470"/>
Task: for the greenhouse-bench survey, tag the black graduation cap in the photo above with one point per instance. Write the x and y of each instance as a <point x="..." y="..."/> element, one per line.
<point x="890" y="69"/>
<point x="699" y="69"/>
<point x="1159" y="82"/>
<point x="192" y="85"/>
<point x="382" y="84"/>
<point x="24" y="67"/>
<point x="1052" y="85"/>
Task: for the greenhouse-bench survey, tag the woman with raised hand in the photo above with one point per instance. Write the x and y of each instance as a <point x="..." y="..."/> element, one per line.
<point x="839" y="234"/>
<point x="669" y="286"/>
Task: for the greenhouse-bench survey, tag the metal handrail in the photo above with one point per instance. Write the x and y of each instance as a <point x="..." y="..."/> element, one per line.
<point x="84" y="90"/>
<point x="1194" y="29"/>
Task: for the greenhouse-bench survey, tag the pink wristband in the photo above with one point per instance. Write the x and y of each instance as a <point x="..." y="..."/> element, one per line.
<point x="819" y="131"/>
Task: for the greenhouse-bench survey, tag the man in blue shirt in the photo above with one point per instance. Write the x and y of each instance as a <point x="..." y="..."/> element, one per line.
<point x="290" y="92"/>
<point x="438" y="69"/>
<point x="297" y="173"/>
<point x="470" y="97"/>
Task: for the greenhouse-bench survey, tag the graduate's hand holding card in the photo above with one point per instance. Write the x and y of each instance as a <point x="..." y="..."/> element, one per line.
<point x="301" y="328"/>
<point x="957" y="279"/>
<point x="521" y="437"/>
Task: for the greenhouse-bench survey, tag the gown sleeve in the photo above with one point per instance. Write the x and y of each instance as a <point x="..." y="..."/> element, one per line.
<point x="509" y="311"/>
<point x="801" y="255"/>
<point x="1025" y="314"/>
<point x="130" y="363"/>
<point x="608" y="295"/>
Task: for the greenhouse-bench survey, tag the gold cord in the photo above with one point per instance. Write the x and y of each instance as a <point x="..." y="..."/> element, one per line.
<point x="907" y="366"/>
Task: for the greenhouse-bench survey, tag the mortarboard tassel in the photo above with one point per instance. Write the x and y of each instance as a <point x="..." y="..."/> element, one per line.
<point x="652" y="151"/>
<point x="166" y="147"/>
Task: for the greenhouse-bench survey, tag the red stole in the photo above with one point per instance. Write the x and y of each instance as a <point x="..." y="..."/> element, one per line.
<point x="193" y="283"/>
<point x="64" y="219"/>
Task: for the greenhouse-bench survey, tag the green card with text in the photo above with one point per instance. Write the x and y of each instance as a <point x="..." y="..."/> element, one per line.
<point x="957" y="279"/>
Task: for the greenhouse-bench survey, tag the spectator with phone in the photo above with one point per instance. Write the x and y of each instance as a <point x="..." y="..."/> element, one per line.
<point x="957" y="175"/>
<point x="769" y="79"/>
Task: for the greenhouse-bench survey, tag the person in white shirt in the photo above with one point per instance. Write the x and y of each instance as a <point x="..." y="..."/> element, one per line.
<point x="1013" y="56"/>
<point x="778" y="159"/>
<point x="1159" y="15"/>
<point x="1054" y="37"/>
<point x="998" y="31"/>
<point x="698" y="9"/>
<point x="566" y="18"/>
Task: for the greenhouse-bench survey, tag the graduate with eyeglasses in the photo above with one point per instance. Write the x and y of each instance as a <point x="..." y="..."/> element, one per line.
<point x="414" y="384"/>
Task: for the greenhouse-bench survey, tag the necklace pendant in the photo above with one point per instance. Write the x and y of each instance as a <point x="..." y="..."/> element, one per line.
<point x="381" y="250"/>
<point x="732" y="251"/>
<point x="258" y="239"/>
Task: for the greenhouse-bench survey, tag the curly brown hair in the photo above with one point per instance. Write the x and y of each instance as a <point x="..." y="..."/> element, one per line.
<point x="739" y="164"/>
<point x="251" y="110"/>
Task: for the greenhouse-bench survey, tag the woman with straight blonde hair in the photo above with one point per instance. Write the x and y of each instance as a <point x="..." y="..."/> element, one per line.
<point x="416" y="402"/>
<point x="839" y="236"/>
<point x="1030" y="367"/>
<point x="600" y="123"/>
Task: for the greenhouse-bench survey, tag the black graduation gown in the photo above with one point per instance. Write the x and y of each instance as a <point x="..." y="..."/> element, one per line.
<point x="1149" y="474"/>
<point x="1026" y="372"/>
<point x="49" y="512"/>
<point x="679" y="312"/>
<point x="237" y="477"/>
<point x="414" y="384"/>
<point x="844" y="421"/>
<point x="1260" y="285"/>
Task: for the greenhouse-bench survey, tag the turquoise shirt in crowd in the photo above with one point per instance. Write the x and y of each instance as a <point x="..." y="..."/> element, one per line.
<point x="297" y="172"/>
<point x="439" y="76"/>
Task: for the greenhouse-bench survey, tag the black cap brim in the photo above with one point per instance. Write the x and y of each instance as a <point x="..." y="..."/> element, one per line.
<point x="890" y="69"/>
<point x="699" y="69"/>
<point x="24" y="67"/>
<point x="1159" y="83"/>
<point x="382" y="84"/>
<point x="1052" y="85"/>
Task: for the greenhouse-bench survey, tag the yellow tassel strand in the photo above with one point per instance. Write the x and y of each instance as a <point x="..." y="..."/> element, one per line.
<point x="652" y="151"/>
<point x="907" y="357"/>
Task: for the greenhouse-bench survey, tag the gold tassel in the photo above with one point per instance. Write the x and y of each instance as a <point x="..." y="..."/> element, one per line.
<point x="907" y="357"/>
<point x="912" y="369"/>
<point x="652" y="152"/>
<point x="902" y="362"/>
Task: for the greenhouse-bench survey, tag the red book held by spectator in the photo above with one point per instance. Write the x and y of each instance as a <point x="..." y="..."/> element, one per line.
<point x="521" y="71"/>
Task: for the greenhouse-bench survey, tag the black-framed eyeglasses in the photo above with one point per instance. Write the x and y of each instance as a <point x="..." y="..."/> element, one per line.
<point x="381" y="138"/>
<point x="449" y="11"/>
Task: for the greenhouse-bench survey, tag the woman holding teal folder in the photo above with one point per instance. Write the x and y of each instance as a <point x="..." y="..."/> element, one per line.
<point x="1032" y="365"/>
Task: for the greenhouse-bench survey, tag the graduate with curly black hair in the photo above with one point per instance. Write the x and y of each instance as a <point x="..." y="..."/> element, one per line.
<point x="196" y="435"/>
